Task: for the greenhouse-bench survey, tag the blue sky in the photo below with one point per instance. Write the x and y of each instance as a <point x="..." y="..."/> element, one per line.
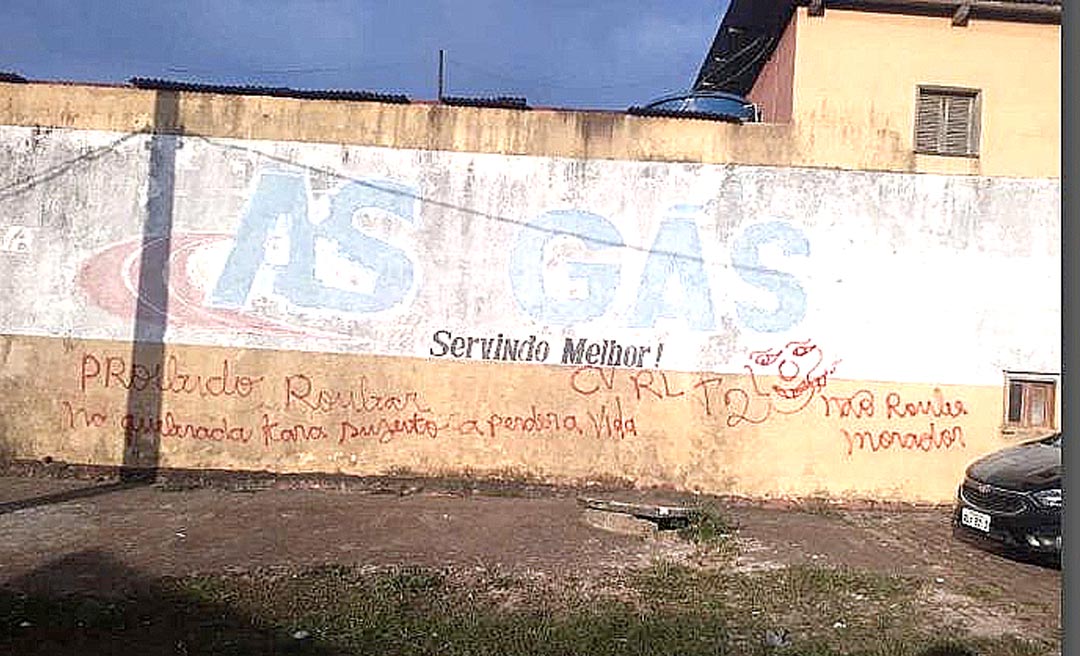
<point x="563" y="53"/>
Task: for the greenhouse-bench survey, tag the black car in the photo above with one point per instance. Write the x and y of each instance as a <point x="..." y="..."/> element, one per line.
<point x="1013" y="498"/>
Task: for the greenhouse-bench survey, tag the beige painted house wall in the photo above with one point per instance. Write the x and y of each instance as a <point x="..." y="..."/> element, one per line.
<point x="856" y="74"/>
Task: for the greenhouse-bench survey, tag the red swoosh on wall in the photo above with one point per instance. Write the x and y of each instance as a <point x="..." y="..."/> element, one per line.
<point x="110" y="280"/>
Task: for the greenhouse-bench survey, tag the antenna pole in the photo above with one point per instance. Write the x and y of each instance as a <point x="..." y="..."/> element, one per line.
<point x="441" y="69"/>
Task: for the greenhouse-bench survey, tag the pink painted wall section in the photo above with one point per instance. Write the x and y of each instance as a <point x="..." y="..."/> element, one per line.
<point x="774" y="89"/>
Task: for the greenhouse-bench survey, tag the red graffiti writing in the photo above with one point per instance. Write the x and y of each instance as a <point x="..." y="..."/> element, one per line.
<point x="273" y="431"/>
<point x="81" y="418"/>
<point x="116" y="371"/>
<point x="590" y="380"/>
<point x="705" y="384"/>
<point x="863" y="404"/>
<point x="135" y="426"/>
<point x="385" y="430"/>
<point x="783" y="381"/>
<point x="858" y="405"/>
<point x="932" y="439"/>
<point x="936" y="406"/>
<point x="535" y="422"/>
<point x="613" y="425"/>
<point x="299" y="391"/>
<point x="644" y="381"/>
<point x="645" y="385"/>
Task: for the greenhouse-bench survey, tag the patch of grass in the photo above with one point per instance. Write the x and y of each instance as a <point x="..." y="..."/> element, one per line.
<point x="667" y="580"/>
<point x="667" y="608"/>
<point x="407" y="583"/>
<point x="1005" y="646"/>
<point x="985" y="592"/>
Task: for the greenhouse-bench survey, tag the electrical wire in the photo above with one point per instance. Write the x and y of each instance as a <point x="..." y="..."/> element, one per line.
<point x="553" y="82"/>
<point x="33" y="181"/>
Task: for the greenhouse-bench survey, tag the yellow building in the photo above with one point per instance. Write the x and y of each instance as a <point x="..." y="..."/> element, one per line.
<point x="964" y="87"/>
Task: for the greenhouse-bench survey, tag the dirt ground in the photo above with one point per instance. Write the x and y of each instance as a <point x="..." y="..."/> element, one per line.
<point x="158" y="531"/>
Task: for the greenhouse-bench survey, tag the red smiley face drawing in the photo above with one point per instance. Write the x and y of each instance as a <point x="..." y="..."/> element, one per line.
<point x="790" y="376"/>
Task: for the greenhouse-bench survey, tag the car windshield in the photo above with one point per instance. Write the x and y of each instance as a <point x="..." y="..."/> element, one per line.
<point x="1053" y="440"/>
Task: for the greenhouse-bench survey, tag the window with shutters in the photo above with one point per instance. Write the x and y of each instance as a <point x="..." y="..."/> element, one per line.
<point x="947" y="121"/>
<point x="1029" y="400"/>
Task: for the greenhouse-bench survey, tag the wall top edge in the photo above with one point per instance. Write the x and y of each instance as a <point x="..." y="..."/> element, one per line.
<point x="569" y="133"/>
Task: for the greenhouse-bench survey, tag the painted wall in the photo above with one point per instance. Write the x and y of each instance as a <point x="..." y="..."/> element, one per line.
<point x="731" y="328"/>
<point x="860" y="70"/>
<point x="773" y="91"/>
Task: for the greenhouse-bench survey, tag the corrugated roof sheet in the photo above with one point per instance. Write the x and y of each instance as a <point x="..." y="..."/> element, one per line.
<point x="668" y="113"/>
<point x="281" y="92"/>
<point x="501" y="102"/>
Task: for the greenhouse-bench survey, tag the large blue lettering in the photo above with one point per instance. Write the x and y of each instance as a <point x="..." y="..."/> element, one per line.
<point x="280" y="194"/>
<point x="790" y="296"/>
<point x="676" y="252"/>
<point x="527" y="267"/>
<point x="392" y="267"/>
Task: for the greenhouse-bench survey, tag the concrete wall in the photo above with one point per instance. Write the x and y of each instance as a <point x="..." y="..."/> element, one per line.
<point x="349" y="308"/>
<point x="859" y="70"/>
<point x="851" y="137"/>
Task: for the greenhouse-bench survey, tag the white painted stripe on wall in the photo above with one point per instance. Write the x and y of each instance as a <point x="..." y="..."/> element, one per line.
<point x="898" y="277"/>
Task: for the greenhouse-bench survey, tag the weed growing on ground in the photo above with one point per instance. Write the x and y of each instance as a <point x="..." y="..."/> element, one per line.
<point x="710" y="530"/>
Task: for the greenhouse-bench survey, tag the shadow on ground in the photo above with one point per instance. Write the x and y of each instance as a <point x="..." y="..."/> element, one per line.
<point x="1050" y="561"/>
<point x="67" y="495"/>
<point x="948" y="650"/>
<point x="127" y="614"/>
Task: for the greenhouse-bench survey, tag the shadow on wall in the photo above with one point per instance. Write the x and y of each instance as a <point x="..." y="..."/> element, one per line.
<point x="7" y="454"/>
<point x="87" y="603"/>
<point x="142" y="452"/>
<point x="7" y="449"/>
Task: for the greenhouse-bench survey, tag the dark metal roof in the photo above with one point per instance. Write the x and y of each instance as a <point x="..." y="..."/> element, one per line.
<point x="501" y="102"/>
<point x="751" y="29"/>
<point x="281" y="92"/>
<point x="745" y="40"/>
<point x="6" y="76"/>
<point x="668" y="113"/>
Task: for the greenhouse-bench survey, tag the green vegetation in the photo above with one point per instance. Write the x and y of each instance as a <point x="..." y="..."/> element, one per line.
<point x="710" y="530"/>
<point x="664" y="609"/>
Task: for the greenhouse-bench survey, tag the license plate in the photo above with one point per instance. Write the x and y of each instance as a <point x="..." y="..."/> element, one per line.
<point x="975" y="519"/>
